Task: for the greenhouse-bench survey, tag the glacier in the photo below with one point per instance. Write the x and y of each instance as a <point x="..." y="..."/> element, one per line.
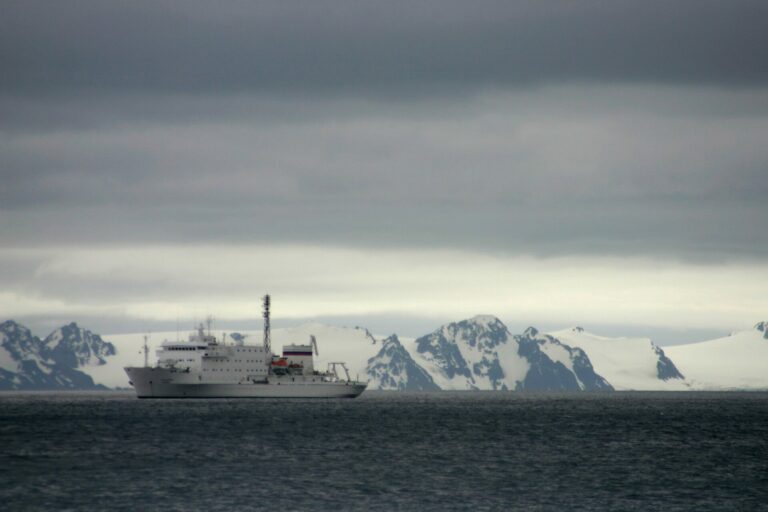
<point x="737" y="361"/>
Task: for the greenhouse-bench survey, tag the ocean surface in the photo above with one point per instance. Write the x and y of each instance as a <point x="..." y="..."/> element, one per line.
<point x="386" y="451"/>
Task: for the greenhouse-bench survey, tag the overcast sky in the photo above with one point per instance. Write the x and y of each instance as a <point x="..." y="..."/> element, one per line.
<point x="397" y="164"/>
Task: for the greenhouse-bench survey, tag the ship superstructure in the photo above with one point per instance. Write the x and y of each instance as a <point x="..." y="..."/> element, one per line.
<point x="205" y="367"/>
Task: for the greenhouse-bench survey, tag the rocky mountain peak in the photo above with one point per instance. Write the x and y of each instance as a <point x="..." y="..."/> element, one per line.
<point x="531" y="332"/>
<point x="665" y="368"/>
<point x="555" y="366"/>
<point x="73" y="346"/>
<point x="19" y="341"/>
<point x="13" y="328"/>
<point x="489" y="322"/>
<point x="36" y="364"/>
<point x="394" y="368"/>
<point x="9" y="326"/>
<point x="467" y="349"/>
<point x="390" y="344"/>
<point x="762" y="327"/>
<point x="481" y="332"/>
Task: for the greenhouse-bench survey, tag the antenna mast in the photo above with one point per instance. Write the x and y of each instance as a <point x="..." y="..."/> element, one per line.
<point x="146" y="351"/>
<point x="265" y="314"/>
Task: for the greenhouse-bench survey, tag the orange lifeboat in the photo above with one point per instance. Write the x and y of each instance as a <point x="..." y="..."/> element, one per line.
<point x="279" y="365"/>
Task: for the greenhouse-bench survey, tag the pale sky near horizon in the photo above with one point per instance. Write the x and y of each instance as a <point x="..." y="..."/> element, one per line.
<point x="552" y="163"/>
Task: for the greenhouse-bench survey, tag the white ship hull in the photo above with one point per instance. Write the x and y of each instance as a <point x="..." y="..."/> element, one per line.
<point x="165" y="383"/>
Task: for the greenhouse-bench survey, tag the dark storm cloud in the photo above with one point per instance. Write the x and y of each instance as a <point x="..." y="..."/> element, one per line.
<point x="94" y="47"/>
<point x="663" y="171"/>
<point x="537" y="127"/>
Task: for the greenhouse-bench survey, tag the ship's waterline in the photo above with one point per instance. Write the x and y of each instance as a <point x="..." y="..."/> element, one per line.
<point x="165" y="383"/>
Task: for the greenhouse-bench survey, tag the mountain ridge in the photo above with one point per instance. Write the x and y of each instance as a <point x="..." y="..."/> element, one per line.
<point x="27" y="362"/>
<point x="477" y="353"/>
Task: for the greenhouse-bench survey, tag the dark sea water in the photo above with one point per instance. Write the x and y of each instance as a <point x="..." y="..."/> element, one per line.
<point x="386" y="451"/>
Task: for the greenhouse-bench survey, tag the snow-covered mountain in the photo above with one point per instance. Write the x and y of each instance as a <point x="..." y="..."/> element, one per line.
<point x="738" y="361"/>
<point x="565" y="366"/>
<point x="627" y="363"/>
<point x="394" y="368"/>
<point x="477" y="353"/>
<point x="480" y="353"/>
<point x="74" y="346"/>
<point x="26" y="362"/>
<point x="467" y="355"/>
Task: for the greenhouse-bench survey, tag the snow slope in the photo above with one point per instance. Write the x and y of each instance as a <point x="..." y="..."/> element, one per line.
<point x="627" y="363"/>
<point x="738" y="361"/>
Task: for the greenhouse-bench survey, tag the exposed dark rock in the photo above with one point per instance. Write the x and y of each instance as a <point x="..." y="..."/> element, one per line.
<point x="72" y="346"/>
<point x="394" y="368"/>
<point x="545" y="374"/>
<point x="665" y="368"/>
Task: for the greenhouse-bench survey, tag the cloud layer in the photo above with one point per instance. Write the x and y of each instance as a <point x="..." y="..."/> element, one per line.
<point x="383" y="47"/>
<point x="163" y="282"/>
<point x="675" y="172"/>
<point x="553" y="135"/>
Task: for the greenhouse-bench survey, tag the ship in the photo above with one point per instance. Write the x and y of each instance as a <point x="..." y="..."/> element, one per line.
<point x="206" y="367"/>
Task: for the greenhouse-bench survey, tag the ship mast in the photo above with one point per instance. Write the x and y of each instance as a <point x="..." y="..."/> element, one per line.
<point x="146" y="351"/>
<point x="265" y="314"/>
